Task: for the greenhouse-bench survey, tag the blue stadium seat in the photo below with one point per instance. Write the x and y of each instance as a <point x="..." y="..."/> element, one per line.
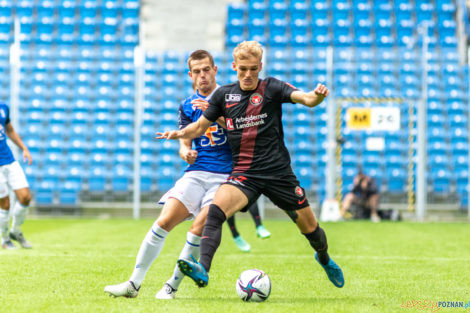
<point x="44" y="193"/>
<point x="121" y="178"/>
<point x="146" y="178"/>
<point x="98" y="179"/>
<point x="396" y="180"/>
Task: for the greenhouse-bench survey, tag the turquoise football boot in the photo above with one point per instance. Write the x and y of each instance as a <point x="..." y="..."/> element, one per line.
<point x="195" y="271"/>
<point x="334" y="272"/>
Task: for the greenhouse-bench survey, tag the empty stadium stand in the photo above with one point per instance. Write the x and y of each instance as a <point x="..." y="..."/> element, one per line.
<point x="77" y="89"/>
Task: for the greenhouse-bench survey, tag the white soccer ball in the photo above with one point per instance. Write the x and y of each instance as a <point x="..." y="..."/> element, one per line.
<point x="253" y="286"/>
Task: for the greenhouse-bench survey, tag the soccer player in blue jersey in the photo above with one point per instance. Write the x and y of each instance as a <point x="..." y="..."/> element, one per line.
<point x="12" y="177"/>
<point x="210" y="163"/>
<point x="252" y="108"/>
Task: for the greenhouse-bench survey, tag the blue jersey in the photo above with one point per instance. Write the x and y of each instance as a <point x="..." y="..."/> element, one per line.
<point x="6" y="156"/>
<point x="213" y="150"/>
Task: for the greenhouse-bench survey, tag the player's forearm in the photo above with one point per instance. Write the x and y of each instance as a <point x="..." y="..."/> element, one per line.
<point x="311" y="99"/>
<point x="185" y="147"/>
<point x="13" y="135"/>
<point x="192" y="131"/>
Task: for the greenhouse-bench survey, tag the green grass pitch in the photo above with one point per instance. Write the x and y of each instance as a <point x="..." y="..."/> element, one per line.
<point x="385" y="265"/>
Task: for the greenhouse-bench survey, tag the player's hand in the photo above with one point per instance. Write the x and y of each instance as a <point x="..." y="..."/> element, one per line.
<point x="200" y="104"/>
<point x="27" y="156"/>
<point x="190" y="156"/>
<point x="169" y="134"/>
<point x="321" y="91"/>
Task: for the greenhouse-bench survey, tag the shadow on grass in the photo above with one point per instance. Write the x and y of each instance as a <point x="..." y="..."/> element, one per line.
<point x="285" y="300"/>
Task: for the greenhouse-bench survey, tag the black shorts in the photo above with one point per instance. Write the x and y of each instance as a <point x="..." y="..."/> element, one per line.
<point x="283" y="190"/>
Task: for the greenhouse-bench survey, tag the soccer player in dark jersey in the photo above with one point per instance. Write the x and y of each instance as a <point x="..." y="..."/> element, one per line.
<point x="252" y="108"/>
<point x="210" y="163"/>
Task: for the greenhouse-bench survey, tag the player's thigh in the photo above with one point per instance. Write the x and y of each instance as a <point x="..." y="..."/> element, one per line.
<point x="173" y="213"/>
<point x="16" y="177"/>
<point x="189" y="190"/>
<point x="306" y="220"/>
<point x="230" y="199"/>
<point x="23" y="195"/>
<point x="5" y="203"/>
<point x="286" y="193"/>
<point x="198" y="223"/>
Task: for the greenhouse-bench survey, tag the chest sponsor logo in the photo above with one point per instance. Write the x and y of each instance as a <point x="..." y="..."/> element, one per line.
<point x="214" y="136"/>
<point x="2" y="112"/>
<point x="233" y="97"/>
<point x="249" y="121"/>
<point x="229" y="123"/>
<point x="256" y="99"/>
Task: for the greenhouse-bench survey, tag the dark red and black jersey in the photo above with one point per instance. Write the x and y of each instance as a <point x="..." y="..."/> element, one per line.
<point x="254" y="125"/>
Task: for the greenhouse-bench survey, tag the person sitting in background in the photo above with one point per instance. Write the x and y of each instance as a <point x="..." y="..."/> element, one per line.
<point x="365" y="195"/>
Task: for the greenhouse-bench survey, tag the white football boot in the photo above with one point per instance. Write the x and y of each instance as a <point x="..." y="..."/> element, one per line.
<point x="126" y="289"/>
<point x="8" y="245"/>
<point x="166" y="293"/>
<point x="19" y="237"/>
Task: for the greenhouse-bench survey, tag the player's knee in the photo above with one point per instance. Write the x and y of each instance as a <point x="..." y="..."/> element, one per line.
<point x="5" y="204"/>
<point x="294" y="216"/>
<point x="215" y="216"/>
<point x="165" y="223"/>
<point x="197" y="227"/>
<point x="25" y="200"/>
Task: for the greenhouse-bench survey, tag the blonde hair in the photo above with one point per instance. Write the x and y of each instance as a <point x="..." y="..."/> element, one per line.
<point x="246" y="49"/>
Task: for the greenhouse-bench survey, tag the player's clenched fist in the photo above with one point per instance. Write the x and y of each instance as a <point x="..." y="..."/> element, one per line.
<point x="190" y="156"/>
<point x="321" y="90"/>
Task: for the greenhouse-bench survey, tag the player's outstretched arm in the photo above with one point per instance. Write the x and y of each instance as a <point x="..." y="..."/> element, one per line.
<point x="191" y="131"/>
<point x="186" y="152"/>
<point x="13" y="135"/>
<point x="312" y="98"/>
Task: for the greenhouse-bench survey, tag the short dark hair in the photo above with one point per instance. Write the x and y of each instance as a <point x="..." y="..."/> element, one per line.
<point x="200" y="55"/>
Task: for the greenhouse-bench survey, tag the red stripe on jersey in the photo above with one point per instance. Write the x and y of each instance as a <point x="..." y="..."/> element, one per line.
<point x="248" y="141"/>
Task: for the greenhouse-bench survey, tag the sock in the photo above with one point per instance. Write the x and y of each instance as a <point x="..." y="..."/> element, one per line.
<point x="148" y="252"/>
<point x="4" y="221"/>
<point x="317" y="240"/>
<point x="19" y="215"/>
<point x="254" y="211"/>
<point x="211" y="235"/>
<point x="190" y="248"/>
<point x="233" y="228"/>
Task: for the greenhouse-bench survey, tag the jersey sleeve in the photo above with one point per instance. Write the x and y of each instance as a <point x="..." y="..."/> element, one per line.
<point x="183" y="119"/>
<point x="214" y="111"/>
<point x="284" y="90"/>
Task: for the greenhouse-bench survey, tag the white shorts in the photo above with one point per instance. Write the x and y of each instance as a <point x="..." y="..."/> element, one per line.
<point x="195" y="190"/>
<point x="11" y="176"/>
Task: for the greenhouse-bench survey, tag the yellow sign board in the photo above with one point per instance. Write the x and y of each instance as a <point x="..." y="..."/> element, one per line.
<point x="359" y="118"/>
